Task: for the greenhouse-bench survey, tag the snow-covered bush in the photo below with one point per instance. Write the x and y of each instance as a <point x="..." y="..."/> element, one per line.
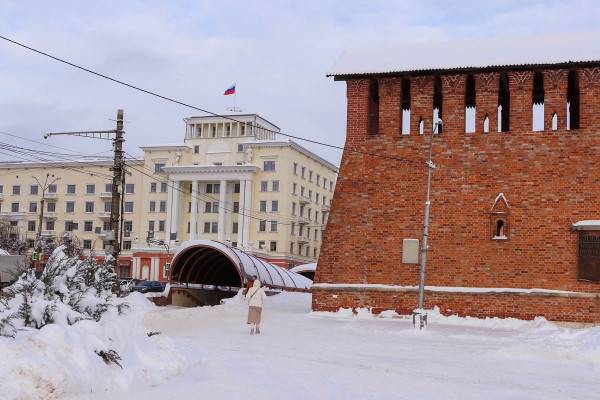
<point x="69" y="290"/>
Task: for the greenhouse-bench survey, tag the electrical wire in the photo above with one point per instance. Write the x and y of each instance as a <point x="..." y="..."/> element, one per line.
<point x="172" y="100"/>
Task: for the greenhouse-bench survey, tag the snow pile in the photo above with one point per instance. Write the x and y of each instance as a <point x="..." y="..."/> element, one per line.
<point x="69" y="290"/>
<point x="58" y="360"/>
<point x="76" y="336"/>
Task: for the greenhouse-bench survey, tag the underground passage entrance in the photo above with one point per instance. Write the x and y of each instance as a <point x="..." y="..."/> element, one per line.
<point x="204" y="272"/>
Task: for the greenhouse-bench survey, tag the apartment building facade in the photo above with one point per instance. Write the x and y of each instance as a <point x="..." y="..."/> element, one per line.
<point x="230" y="180"/>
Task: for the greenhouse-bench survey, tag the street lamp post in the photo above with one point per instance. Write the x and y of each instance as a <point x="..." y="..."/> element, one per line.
<point x="420" y="311"/>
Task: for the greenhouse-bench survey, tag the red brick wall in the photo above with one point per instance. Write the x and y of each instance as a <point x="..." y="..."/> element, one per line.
<point x="551" y="179"/>
<point x="553" y="308"/>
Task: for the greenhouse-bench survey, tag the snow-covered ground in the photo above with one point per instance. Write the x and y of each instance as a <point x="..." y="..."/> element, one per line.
<point x="209" y="353"/>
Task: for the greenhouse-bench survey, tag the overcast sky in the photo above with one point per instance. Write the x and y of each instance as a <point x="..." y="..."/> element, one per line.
<point x="278" y="52"/>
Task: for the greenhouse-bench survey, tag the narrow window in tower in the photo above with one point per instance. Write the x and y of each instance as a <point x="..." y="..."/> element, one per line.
<point x="554" y="121"/>
<point x="437" y="105"/>
<point x="470" y="102"/>
<point x="405" y="106"/>
<point x="503" y="104"/>
<point x="486" y="124"/>
<point x="373" y="107"/>
<point x="421" y="126"/>
<point x="573" y="101"/>
<point x="499" y="233"/>
<point x="537" y="114"/>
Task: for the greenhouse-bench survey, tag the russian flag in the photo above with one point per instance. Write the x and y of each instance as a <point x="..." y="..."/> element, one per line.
<point x="229" y="90"/>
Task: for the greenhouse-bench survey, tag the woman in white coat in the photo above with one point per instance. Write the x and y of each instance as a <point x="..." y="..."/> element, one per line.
<point x="256" y="298"/>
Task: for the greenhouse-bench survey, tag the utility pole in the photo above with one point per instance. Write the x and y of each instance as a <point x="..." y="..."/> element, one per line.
<point x="118" y="182"/>
<point x="116" y="136"/>
<point x="420" y="311"/>
<point x="43" y="187"/>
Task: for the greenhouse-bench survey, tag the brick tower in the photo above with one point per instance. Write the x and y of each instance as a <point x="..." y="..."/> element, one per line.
<point x="514" y="228"/>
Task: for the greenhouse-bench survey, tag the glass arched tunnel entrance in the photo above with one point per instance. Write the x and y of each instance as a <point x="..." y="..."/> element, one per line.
<point x="203" y="272"/>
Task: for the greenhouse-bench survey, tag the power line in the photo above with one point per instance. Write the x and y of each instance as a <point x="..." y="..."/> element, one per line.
<point x="166" y="98"/>
<point x="71" y="152"/>
<point x="213" y="200"/>
<point x="258" y="214"/>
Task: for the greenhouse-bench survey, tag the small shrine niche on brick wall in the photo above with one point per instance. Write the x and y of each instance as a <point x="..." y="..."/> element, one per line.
<point x="499" y="219"/>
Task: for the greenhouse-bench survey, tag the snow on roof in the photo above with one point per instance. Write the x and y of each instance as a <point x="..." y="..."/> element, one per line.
<point x="4" y="252"/>
<point x="469" y="54"/>
<point x="311" y="267"/>
<point x="587" y="225"/>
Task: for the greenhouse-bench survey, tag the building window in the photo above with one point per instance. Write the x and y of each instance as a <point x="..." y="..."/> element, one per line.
<point x="88" y="226"/>
<point x="303" y="172"/>
<point x="262" y="225"/>
<point x="32" y="207"/>
<point x="162" y="206"/>
<point x="70" y="206"/>
<point x="106" y="226"/>
<point x="161" y="226"/>
<point x="207" y="227"/>
<point x="128" y="207"/>
<point x="159" y="168"/>
<point x="33" y="189"/>
<point x="263" y="206"/>
<point x="275" y="206"/>
<point x="295" y="168"/>
<point x="108" y="187"/>
<point x="214" y="227"/>
<point x="49" y="225"/>
<point x="273" y="245"/>
<point x="503" y="104"/>
<point x="90" y="189"/>
<point x="51" y="206"/>
<point x="294" y="187"/>
<point x="196" y="149"/>
<point x="537" y="112"/>
<point x="318" y="179"/>
<point x="107" y="206"/>
<point x="129" y="188"/>
<point x="31" y="226"/>
<point x="16" y="190"/>
<point x="236" y="188"/>
<point x="331" y="186"/>
<point x="71" y="189"/>
<point x="269" y="166"/>
<point x="234" y="228"/>
<point x="127" y="226"/>
<point x="236" y="207"/>
<point x="273" y="226"/>
<point x="52" y="188"/>
<point x="87" y="244"/>
<point x="293" y="208"/>
<point x="310" y="175"/>
<point x="264" y="186"/>
<point x="261" y="244"/>
<point x="373" y="107"/>
<point x="240" y="148"/>
<point x="470" y="104"/>
<point x="499" y="218"/>
<point x="572" y="101"/>
<point x="189" y="207"/>
<point x="127" y="245"/>
<point x="70" y="226"/>
<point x="275" y="186"/>
<point x="292" y="248"/>
<point x="189" y="224"/>
<point x="152" y="187"/>
<point x="163" y="187"/>
<point x="151" y="226"/>
<point x="152" y="206"/>
<point x="89" y="206"/>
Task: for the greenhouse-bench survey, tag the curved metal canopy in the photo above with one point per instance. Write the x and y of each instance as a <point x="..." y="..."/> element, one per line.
<point x="206" y="262"/>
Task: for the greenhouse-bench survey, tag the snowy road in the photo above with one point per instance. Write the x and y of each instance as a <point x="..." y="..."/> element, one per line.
<point x="306" y="356"/>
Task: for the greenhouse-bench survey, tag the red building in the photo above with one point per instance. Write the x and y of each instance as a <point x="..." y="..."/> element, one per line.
<point x="516" y="183"/>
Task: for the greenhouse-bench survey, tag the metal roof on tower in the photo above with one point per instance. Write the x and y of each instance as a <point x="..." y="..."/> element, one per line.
<point x="552" y="51"/>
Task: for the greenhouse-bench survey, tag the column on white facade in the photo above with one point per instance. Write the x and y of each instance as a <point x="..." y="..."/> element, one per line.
<point x="173" y="209"/>
<point x="245" y="212"/>
<point x="194" y="211"/>
<point x="222" y="206"/>
<point x="229" y="212"/>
